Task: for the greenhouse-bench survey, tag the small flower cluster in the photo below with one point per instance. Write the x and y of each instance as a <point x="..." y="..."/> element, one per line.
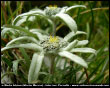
<point x="53" y="43"/>
<point x="52" y="10"/>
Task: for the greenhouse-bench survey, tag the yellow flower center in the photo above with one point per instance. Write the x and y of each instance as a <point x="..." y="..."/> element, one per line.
<point x="53" y="39"/>
<point x="52" y="7"/>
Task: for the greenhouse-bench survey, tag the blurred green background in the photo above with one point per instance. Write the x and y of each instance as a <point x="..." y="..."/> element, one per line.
<point x="94" y="20"/>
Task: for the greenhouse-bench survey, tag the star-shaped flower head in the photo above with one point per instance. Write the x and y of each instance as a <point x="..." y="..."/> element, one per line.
<point x="50" y="13"/>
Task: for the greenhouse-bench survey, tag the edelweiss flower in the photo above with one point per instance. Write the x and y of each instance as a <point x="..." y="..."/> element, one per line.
<point x="51" y="13"/>
<point x="51" y="45"/>
<point x="43" y="44"/>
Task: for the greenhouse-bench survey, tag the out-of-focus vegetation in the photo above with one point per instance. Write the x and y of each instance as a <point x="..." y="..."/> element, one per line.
<point x="94" y="20"/>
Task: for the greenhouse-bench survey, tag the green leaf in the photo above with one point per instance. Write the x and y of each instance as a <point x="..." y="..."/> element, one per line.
<point x="23" y="19"/>
<point x="29" y="13"/>
<point x="38" y="30"/>
<point x="88" y="30"/>
<point x="76" y="6"/>
<point x="72" y="34"/>
<point x="70" y="45"/>
<point x="39" y="35"/>
<point x="20" y="21"/>
<point x="52" y="25"/>
<point x="22" y="38"/>
<point x="61" y="63"/>
<point x="5" y="74"/>
<point x="31" y="46"/>
<point x="69" y="36"/>
<point x="7" y="61"/>
<point x="68" y="20"/>
<point x="15" y="66"/>
<point x="23" y="30"/>
<point x="14" y="13"/>
<point x="63" y="9"/>
<point x="47" y="61"/>
<point x="26" y="56"/>
<point x="74" y="58"/>
<point x="105" y="65"/>
<point x="6" y="30"/>
<point x="81" y="43"/>
<point x="99" y="53"/>
<point x="81" y="77"/>
<point x="95" y="70"/>
<point x="98" y="79"/>
<point x="35" y="67"/>
<point x="83" y="50"/>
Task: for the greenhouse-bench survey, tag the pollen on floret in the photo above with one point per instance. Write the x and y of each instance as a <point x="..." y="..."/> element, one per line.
<point x="53" y="43"/>
<point x="53" y="7"/>
<point x="53" y="39"/>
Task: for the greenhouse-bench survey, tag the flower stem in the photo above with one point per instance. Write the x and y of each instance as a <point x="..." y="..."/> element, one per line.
<point x="53" y="57"/>
<point x="87" y="75"/>
<point x="52" y="66"/>
<point x="54" y="31"/>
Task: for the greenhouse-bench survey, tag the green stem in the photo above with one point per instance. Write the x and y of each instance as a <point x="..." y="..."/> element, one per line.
<point x="4" y="11"/>
<point x="54" y="31"/>
<point x="87" y="75"/>
<point x="52" y="64"/>
<point x="7" y="73"/>
<point x="52" y="59"/>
